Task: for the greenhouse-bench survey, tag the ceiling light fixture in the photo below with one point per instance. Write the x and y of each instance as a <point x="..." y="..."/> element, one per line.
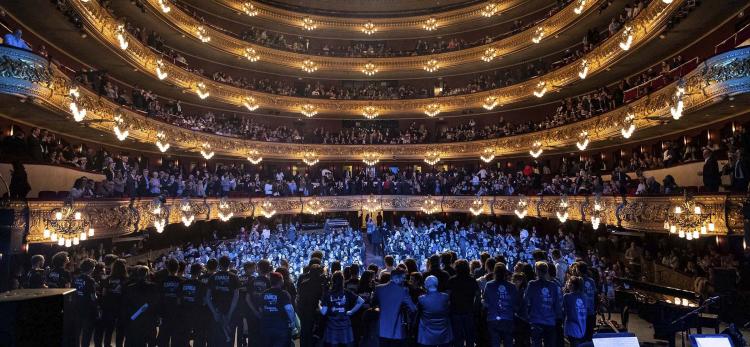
<point x="254" y="157"/>
<point x="430" y="206"/>
<point x="118" y="128"/>
<point x="78" y="112"/>
<point x="536" y="149"/>
<point x="431" y="65"/>
<point x="677" y="101"/>
<point x="201" y="90"/>
<point x="521" y="207"/>
<point x="627" y="38"/>
<point x="489" y="54"/>
<point x="562" y="209"/>
<point x="161" y="71"/>
<point x="202" y="34"/>
<point x="225" y="211"/>
<point x="488" y="154"/>
<point x="540" y="89"/>
<point x="206" y="151"/>
<point x="161" y="141"/>
<point x="370" y="112"/>
<point x="309" y="110"/>
<point x="310" y="158"/>
<point x="309" y="24"/>
<point x="584" y="71"/>
<point x="251" y="54"/>
<point x="477" y="206"/>
<point x="250" y="103"/>
<point x="309" y="66"/>
<point x="490" y="9"/>
<point x="369" y="28"/>
<point x="120" y="33"/>
<point x="432" y="110"/>
<point x="165" y="8"/>
<point x="369" y="69"/>
<point x="371" y="158"/>
<point x="580" y="4"/>
<point x="490" y="102"/>
<point x="538" y="35"/>
<point x="432" y="158"/>
<point x="267" y="209"/>
<point x="430" y="24"/>
<point x="583" y="140"/>
<point x="249" y="9"/>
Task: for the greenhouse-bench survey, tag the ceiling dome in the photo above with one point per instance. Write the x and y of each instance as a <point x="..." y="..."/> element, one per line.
<point x="369" y="8"/>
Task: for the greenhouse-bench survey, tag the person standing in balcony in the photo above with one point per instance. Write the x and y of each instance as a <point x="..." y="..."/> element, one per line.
<point x="710" y="172"/>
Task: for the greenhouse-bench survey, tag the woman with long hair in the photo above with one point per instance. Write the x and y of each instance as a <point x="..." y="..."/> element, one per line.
<point x="338" y="305"/>
<point x="112" y="311"/>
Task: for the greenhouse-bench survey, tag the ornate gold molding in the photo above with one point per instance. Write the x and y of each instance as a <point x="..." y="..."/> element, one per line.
<point x="119" y="217"/>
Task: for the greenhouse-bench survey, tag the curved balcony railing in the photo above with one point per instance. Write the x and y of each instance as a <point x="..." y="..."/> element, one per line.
<point x="640" y="30"/>
<point x="646" y="214"/>
<point x="727" y="74"/>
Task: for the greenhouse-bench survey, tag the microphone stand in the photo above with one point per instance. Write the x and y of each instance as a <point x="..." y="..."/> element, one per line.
<point x="694" y="313"/>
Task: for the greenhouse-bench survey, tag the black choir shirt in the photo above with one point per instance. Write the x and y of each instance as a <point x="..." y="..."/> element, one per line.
<point x="223" y="285"/>
<point x="338" y="304"/>
<point x="58" y="278"/>
<point x="113" y="289"/>
<point x="85" y="289"/>
<point x="273" y="314"/>
<point x="35" y="279"/>
<point x="256" y="286"/>
<point x="191" y="292"/>
<point x="169" y="290"/>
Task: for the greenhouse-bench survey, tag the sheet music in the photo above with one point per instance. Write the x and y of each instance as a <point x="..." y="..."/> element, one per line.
<point x="624" y="341"/>
<point x="715" y="341"/>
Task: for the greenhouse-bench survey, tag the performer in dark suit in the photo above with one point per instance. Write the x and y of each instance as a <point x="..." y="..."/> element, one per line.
<point x="390" y="298"/>
<point x="434" y="316"/>
<point x="711" y="174"/>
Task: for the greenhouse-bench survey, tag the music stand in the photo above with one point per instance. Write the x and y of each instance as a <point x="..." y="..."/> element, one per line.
<point x="615" y="340"/>
<point x="710" y="340"/>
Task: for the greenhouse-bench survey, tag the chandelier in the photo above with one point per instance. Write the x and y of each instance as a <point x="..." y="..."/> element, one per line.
<point x="254" y="157"/>
<point x="538" y="34"/>
<point x="250" y="103"/>
<point x="202" y="34"/>
<point x="477" y="206"/>
<point x="369" y="28"/>
<point x="431" y="65"/>
<point x="313" y="206"/>
<point x="309" y="66"/>
<point x="430" y="24"/>
<point x="225" y="212"/>
<point x="688" y="219"/>
<point x="432" y="158"/>
<point x="678" y="104"/>
<point x="120" y="130"/>
<point x="309" y="24"/>
<point x="369" y="69"/>
<point x="584" y="71"/>
<point x="540" y="89"/>
<point x="206" y="151"/>
<point x="161" y="72"/>
<point x="489" y="54"/>
<point x="562" y="209"/>
<point x="249" y="9"/>
<point x="430" y="205"/>
<point x="522" y="207"/>
<point x="627" y="38"/>
<point x="371" y="205"/>
<point x="161" y="141"/>
<point x="309" y="110"/>
<point x="201" y="90"/>
<point x="164" y="6"/>
<point x="120" y="34"/>
<point x="536" y="149"/>
<point x="628" y="125"/>
<point x="490" y="102"/>
<point x="67" y="226"/>
<point x="310" y="158"/>
<point x="490" y="9"/>
<point x="251" y="54"/>
<point x="78" y="111"/>
<point x="580" y="4"/>
<point x="598" y="212"/>
<point x="267" y="209"/>
<point x="370" y="112"/>
<point x="488" y="154"/>
<point x="583" y="140"/>
<point x="432" y="110"/>
<point x="371" y="158"/>
<point x="186" y="212"/>
<point x="160" y="214"/>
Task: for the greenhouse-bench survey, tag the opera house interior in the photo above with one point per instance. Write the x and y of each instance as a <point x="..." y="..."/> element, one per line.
<point x="374" y="173"/>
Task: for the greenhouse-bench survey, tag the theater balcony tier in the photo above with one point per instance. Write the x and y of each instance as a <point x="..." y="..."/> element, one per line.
<point x="706" y="95"/>
<point x="111" y="218"/>
<point x="105" y="27"/>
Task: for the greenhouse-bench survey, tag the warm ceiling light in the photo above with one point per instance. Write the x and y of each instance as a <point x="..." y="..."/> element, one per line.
<point x="309" y="24"/>
<point x="538" y="35"/>
<point x="628" y="125"/>
<point x="369" y="69"/>
<point x="202" y="34"/>
<point x="313" y="206"/>
<point x="431" y="65"/>
<point x="370" y="112"/>
<point x="477" y="206"/>
<point x="250" y="103"/>
<point x="120" y="130"/>
<point x="536" y="149"/>
<point x="310" y="158"/>
<point x="489" y="54"/>
<point x="225" y="212"/>
<point x="490" y="102"/>
<point x="249" y="9"/>
<point x="122" y="39"/>
<point x="488" y="154"/>
<point x="309" y="110"/>
<point x="432" y="110"/>
<point x="667" y="1"/>
<point x="161" y="72"/>
<point x="432" y="158"/>
<point x="678" y="103"/>
<point x="430" y="206"/>
<point x="583" y="140"/>
<point x="627" y="38"/>
<point x="580" y="4"/>
<point x="201" y="90"/>
<point x="371" y="158"/>
<point x="369" y="28"/>
<point x="490" y="9"/>
<point x="430" y="24"/>
<point x="540" y="89"/>
<point x="309" y="66"/>
<point x="206" y="151"/>
<point x="584" y="71"/>
<point x="161" y="141"/>
<point x="78" y="112"/>
<point x="254" y="157"/>
<point x="186" y="211"/>
<point x="164" y="6"/>
<point x="251" y="54"/>
<point x="521" y="208"/>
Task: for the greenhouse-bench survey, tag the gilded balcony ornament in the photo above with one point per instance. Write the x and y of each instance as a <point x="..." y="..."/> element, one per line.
<point x="202" y="33"/>
<point x="164" y="6"/>
<point x="369" y="28"/>
<point x="536" y="149"/>
<point x="310" y="158"/>
<point x="678" y="105"/>
<point x="121" y="35"/>
<point x="369" y="69"/>
<point x="627" y="38"/>
<point x="254" y="156"/>
<point x="251" y="54"/>
<point x="371" y="158"/>
<point x="538" y="34"/>
<point x="489" y="54"/>
<point x="584" y="69"/>
<point x="562" y="209"/>
<point x="522" y="207"/>
<point x="187" y="216"/>
<point x="120" y="128"/>
<point x="431" y="65"/>
<point x="161" y="141"/>
<point x="249" y="9"/>
<point x="267" y="209"/>
<point x="313" y="206"/>
<point x="201" y="90"/>
<point x="580" y="5"/>
<point x="309" y="66"/>
<point x="583" y="140"/>
<point x="477" y="206"/>
<point x="225" y="210"/>
<point x="490" y="103"/>
<point x="309" y="110"/>
<point x="492" y="8"/>
<point x="430" y="24"/>
<point x="430" y="205"/>
<point x="488" y="154"/>
<point x="161" y="71"/>
<point x="206" y="151"/>
<point x="432" y="110"/>
<point x="309" y="24"/>
<point x="540" y="89"/>
<point x="432" y="157"/>
<point x="250" y="103"/>
<point x="628" y="125"/>
<point x="76" y="109"/>
<point x="370" y="112"/>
